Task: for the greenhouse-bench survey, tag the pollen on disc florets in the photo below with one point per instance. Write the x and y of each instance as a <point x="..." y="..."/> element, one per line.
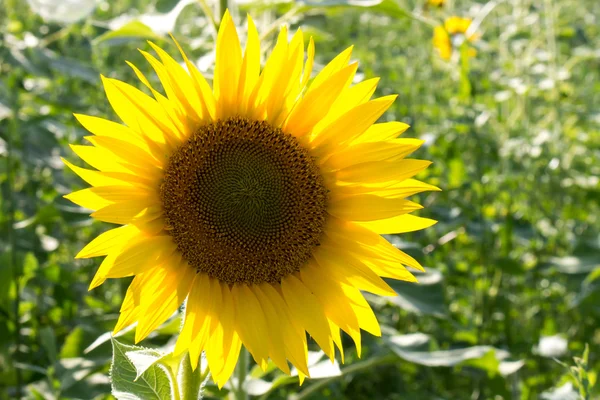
<point x="244" y="201"/>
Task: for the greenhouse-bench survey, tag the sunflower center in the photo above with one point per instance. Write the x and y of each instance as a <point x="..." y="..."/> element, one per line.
<point x="244" y="202"/>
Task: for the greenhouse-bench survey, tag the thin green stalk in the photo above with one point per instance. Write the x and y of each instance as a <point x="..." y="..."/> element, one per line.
<point x="209" y="14"/>
<point x="12" y="134"/>
<point x="280" y="21"/>
<point x="222" y="8"/>
<point x="241" y="370"/>
<point x="174" y="384"/>
<point x="359" y="366"/>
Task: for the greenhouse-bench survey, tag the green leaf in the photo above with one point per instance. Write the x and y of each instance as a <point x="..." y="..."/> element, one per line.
<point x="592" y="277"/>
<point x="132" y="29"/>
<point x="48" y="341"/>
<point x="425" y="297"/>
<point x="143" y="359"/>
<point x="457" y="172"/>
<point x="409" y="347"/>
<point x="152" y="383"/>
<point x="6" y="273"/>
<point x="73" y="344"/>
<point x="576" y="264"/>
<point x="488" y="362"/>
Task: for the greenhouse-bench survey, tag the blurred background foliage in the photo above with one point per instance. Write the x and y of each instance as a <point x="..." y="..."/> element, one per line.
<point x="510" y="113"/>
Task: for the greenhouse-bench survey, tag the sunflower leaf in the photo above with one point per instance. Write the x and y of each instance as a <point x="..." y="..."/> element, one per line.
<point x="128" y="383"/>
<point x="132" y="29"/>
<point x="426" y="297"/>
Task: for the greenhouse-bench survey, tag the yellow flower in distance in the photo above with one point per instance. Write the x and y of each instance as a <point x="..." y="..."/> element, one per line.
<point x="436" y="3"/>
<point x="261" y="201"/>
<point x="453" y="30"/>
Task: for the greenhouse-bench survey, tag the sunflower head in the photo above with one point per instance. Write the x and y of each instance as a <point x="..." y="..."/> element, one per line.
<point x="452" y="35"/>
<point x="260" y="201"/>
<point x="435" y="3"/>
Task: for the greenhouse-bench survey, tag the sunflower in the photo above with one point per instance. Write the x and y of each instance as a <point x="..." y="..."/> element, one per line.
<point x="260" y="201"/>
<point x="452" y="34"/>
<point x="435" y="3"/>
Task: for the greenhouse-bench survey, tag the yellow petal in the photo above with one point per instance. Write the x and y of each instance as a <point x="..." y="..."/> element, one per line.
<point x="197" y="319"/>
<point x="276" y="339"/>
<point x="295" y="337"/>
<point x="108" y="241"/>
<point x="402" y="189"/>
<point x="95" y="198"/>
<point x="251" y="324"/>
<point x="267" y="94"/>
<point x="228" y="65"/>
<point x="308" y="311"/>
<point x="229" y="349"/>
<point x="367" y="207"/>
<point x="317" y="102"/>
<point x="350" y="98"/>
<point x="398" y="224"/>
<point x="250" y="67"/>
<point x="352" y="124"/>
<point x="368" y="245"/>
<point x="100" y="159"/>
<point x="339" y="62"/>
<point x="364" y="313"/>
<point x="382" y="131"/>
<point x="333" y="300"/>
<point x="128" y="211"/>
<point x="98" y="178"/>
<point x="215" y="346"/>
<point x="279" y="78"/>
<point x="382" y="171"/>
<point x="132" y="304"/>
<point x="200" y="85"/>
<point x="139" y="75"/>
<point x="169" y="286"/>
<point x="129" y="153"/>
<point x="292" y="80"/>
<point x="178" y="114"/>
<point x="308" y="66"/>
<point x="342" y="266"/>
<point x="180" y="81"/>
<point x="104" y="128"/>
<point x="172" y="109"/>
<point x="372" y="151"/>
<point x="136" y="257"/>
<point x="140" y="112"/>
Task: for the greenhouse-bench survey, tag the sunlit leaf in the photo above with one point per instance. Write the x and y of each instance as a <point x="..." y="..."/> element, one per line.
<point x="152" y="383"/>
<point x="130" y="30"/>
<point x="425" y="297"/>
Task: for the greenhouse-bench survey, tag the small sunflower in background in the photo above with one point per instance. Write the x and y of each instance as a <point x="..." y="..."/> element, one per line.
<point x="435" y="3"/>
<point x="452" y="35"/>
<point x="261" y="201"/>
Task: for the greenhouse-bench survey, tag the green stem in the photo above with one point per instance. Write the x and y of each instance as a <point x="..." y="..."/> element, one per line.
<point x="276" y="25"/>
<point x="240" y="373"/>
<point x="222" y="9"/>
<point x="13" y="133"/>
<point x="174" y="384"/>
<point x="209" y="14"/>
<point x="190" y="381"/>
<point x="360" y="366"/>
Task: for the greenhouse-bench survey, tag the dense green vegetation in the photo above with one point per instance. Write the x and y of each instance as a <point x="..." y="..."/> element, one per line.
<point x="514" y="134"/>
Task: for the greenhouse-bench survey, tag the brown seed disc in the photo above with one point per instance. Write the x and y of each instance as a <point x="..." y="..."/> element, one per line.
<point x="244" y="202"/>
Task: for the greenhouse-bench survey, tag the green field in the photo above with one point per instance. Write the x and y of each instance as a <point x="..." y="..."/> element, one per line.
<point x="511" y="297"/>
